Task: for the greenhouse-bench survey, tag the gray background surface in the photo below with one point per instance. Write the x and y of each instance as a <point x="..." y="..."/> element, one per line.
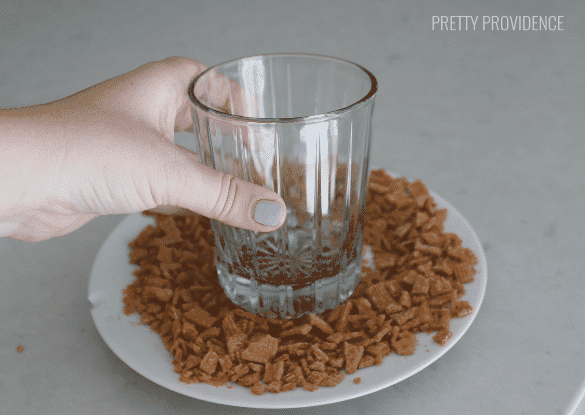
<point x="493" y="121"/>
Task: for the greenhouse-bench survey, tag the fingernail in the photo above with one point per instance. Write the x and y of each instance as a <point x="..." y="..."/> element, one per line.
<point x="267" y="213"/>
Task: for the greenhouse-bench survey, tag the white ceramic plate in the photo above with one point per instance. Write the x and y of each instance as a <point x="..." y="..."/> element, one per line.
<point x="144" y="351"/>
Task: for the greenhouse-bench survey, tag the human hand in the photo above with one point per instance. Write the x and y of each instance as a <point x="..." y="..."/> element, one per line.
<point x="110" y="149"/>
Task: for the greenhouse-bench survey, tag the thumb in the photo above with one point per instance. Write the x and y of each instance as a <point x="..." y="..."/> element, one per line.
<point x="191" y="185"/>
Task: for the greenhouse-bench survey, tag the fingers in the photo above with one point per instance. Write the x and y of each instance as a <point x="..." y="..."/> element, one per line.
<point x="157" y="93"/>
<point x="175" y="210"/>
<point x="154" y="94"/>
<point x="184" y="70"/>
<point x="239" y="203"/>
<point x="241" y="102"/>
<point x="220" y="196"/>
<point x="217" y="92"/>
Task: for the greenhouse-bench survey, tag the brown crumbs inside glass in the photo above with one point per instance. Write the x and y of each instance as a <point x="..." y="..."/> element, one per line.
<point x="415" y="285"/>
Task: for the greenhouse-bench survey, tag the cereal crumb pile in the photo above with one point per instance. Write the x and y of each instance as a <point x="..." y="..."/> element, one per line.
<point x="416" y="285"/>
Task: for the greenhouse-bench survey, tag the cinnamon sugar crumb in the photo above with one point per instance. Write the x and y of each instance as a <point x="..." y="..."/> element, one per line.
<point x="413" y="284"/>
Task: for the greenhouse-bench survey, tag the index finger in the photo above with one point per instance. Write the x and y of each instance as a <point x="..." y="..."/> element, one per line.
<point x="225" y="95"/>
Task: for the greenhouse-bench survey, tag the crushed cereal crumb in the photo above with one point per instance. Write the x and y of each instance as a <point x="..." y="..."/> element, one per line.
<point x="413" y="284"/>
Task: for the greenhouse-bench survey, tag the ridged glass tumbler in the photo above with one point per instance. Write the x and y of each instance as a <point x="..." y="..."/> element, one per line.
<point x="299" y="125"/>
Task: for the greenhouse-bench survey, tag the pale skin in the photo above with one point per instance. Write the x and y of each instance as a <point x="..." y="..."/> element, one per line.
<point x="109" y="149"/>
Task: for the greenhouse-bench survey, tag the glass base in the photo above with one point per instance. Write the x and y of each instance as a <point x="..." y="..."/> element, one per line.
<point x="288" y="301"/>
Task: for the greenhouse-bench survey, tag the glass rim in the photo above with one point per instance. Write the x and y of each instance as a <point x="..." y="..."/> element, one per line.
<point x="315" y="117"/>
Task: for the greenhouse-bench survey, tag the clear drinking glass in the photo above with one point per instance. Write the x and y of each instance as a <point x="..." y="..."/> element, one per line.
<point x="299" y="125"/>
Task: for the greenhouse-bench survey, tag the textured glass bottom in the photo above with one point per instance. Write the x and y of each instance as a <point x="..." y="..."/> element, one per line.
<point x="287" y="301"/>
